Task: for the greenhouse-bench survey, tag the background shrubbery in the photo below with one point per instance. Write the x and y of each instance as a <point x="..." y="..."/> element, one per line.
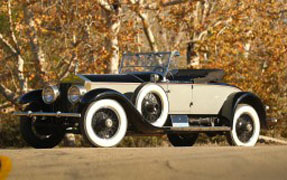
<point x="9" y="132"/>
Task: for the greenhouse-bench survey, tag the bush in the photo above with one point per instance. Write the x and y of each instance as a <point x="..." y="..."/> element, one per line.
<point x="144" y="141"/>
<point x="9" y="132"/>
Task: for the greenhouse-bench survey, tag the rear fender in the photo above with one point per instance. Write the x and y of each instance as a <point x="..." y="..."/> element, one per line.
<point x="228" y="109"/>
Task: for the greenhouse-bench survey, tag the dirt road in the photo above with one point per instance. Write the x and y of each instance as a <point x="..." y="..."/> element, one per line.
<point x="262" y="162"/>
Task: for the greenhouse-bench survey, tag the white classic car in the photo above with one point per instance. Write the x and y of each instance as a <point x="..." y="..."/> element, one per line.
<point x="148" y="96"/>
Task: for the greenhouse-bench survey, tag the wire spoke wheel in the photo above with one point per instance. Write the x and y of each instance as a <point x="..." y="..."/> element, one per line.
<point x="244" y="128"/>
<point x="105" y="123"/>
<point x="151" y="107"/>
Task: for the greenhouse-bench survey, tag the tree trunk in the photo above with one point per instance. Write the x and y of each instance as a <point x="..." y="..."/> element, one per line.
<point x="192" y="58"/>
<point x="146" y="25"/>
<point x="201" y="12"/>
<point x="20" y="69"/>
<point x="148" y="32"/>
<point x="16" y="51"/>
<point x="115" y="54"/>
<point x="8" y="94"/>
<point x="38" y="54"/>
<point x="114" y="25"/>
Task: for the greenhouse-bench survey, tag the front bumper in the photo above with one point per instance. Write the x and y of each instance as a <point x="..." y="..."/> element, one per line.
<point x="50" y="114"/>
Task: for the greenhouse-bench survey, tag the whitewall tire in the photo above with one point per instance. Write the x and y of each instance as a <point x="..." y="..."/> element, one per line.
<point x="105" y="123"/>
<point x="152" y="102"/>
<point x="246" y="126"/>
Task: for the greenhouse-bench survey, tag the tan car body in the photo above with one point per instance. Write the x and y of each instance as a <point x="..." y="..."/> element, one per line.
<point x="184" y="98"/>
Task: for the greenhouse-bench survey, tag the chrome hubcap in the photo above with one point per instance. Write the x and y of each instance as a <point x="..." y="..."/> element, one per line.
<point x="151" y="107"/>
<point x="109" y="123"/>
<point x="244" y="128"/>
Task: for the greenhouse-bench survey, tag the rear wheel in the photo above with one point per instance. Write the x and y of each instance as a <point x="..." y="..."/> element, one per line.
<point x="245" y="128"/>
<point x="105" y="123"/>
<point x="40" y="132"/>
<point x="182" y="139"/>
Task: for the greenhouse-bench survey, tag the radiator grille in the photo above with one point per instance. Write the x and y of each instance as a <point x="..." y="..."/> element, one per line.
<point x="62" y="104"/>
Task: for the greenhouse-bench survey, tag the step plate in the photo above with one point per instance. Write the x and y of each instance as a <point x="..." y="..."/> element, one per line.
<point x="179" y="120"/>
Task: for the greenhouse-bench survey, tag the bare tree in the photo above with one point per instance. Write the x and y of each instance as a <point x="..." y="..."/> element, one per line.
<point x="139" y="10"/>
<point x="202" y="10"/>
<point x="112" y="14"/>
<point x="38" y="54"/>
<point x="15" y="50"/>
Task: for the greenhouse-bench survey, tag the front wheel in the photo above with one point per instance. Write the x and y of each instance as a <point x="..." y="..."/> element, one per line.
<point x="105" y="123"/>
<point x="245" y="128"/>
<point x="182" y="139"/>
<point x="40" y="132"/>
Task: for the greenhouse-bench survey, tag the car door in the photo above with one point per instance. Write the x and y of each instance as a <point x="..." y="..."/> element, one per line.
<point x="209" y="98"/>
<point x="180" y="98"/>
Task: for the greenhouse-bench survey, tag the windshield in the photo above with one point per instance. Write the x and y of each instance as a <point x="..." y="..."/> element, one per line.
<point x="145" y="62"/>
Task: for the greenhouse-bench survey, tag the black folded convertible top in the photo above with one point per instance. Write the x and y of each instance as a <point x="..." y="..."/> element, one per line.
<point x="193" y="75"/>
<point x="199" y="75"/>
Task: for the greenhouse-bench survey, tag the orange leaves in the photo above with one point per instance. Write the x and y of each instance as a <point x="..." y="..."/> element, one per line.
<point x="31" y="77"/>
<point x="263" y="71"/>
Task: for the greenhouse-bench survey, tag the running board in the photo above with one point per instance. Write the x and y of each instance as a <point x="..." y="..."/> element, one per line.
<point x="198" y="129"/>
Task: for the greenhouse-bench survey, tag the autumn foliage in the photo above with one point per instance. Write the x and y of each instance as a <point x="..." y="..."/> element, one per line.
<point x="44" y="41"/>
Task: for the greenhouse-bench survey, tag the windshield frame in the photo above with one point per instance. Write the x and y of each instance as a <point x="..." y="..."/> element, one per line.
<point x="165" y="67"/>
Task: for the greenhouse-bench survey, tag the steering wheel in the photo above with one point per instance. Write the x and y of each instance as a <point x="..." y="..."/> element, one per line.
<point x="159" y="69"/>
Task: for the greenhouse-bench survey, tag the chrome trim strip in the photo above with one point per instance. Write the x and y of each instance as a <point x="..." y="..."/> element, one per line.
<point x="50" y="114"/>
<point x="83" y="77"/>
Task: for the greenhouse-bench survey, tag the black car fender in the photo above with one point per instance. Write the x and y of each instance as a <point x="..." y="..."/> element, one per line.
<point x="32" y="96"/>
<point x="133" y="114"/>
<point x="228" y="109"/>
<point x="93" y="94"/>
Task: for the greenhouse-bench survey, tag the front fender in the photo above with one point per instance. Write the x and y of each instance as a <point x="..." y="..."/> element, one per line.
<point x="133" y="114"/>
<point x="93" y="94"/>
<point x="32" y="96"/>
<point x="228" y="109"/>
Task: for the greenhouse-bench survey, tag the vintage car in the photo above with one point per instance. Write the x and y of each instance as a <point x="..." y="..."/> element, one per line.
<point x="149" y="96"/>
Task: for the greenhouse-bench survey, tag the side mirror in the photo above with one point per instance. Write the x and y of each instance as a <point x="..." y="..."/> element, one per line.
<point x="154" y="78"/>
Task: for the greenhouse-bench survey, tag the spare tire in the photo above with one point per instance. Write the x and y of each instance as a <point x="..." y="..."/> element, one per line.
<point x="151" y="101"/>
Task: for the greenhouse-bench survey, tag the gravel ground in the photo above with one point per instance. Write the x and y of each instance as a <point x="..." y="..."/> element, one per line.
<point x="200" y="162"/>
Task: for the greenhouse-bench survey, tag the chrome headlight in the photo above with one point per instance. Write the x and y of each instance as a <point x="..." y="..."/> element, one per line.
<point x="50" y="94"/>
<point x="75" y="93"/>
